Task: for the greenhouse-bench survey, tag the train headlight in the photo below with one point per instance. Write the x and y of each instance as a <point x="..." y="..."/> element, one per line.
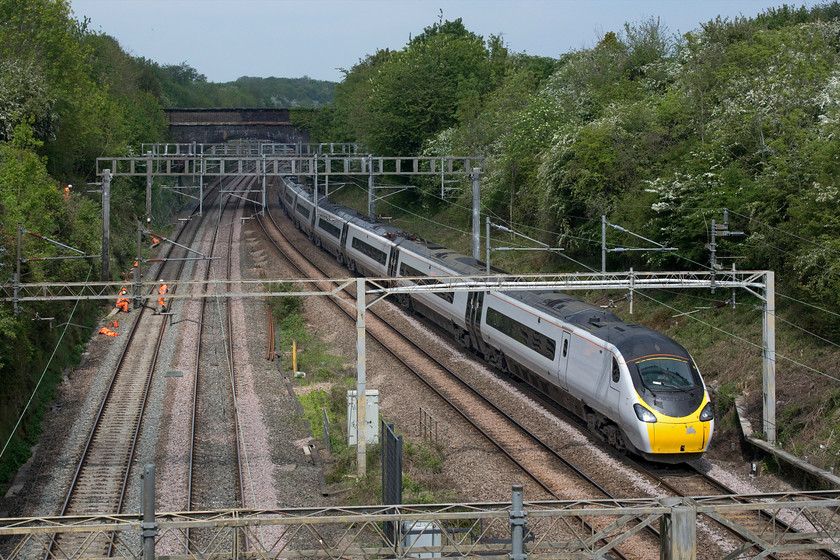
<point x="707" y="413"/>
<point x="644" y="414"/>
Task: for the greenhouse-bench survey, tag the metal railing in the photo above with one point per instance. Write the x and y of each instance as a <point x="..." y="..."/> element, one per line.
<point x="490" y="530"/>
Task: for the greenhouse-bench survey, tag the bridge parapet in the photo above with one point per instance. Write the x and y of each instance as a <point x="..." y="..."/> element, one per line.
<point x="214" y="126"/>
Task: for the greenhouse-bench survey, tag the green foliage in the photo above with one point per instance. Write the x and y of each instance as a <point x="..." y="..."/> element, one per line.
<point x="25" y="97"/>
<point x="67" y="96"/>
<point x="726" y="396"/>
<point x="335" y="403"/>
<point x="394" y="101"/>
<point x="283" y="307"/>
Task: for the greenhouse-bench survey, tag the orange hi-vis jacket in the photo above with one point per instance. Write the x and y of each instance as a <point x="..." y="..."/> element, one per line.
<point x="122" y="303"/>
<point x="108" y="332"/>
<point x="162" y="292"/>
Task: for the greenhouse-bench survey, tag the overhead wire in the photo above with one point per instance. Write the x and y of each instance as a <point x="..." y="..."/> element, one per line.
<point x="799" y="237"/>
<point x="808" y="304"/>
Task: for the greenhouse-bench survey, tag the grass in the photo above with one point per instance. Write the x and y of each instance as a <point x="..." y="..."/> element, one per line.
<point x="324" y="389"/>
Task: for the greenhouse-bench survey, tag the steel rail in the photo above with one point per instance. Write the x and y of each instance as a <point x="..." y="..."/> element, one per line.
<point x="232" y="369"/>
<point x="719" y="487"/>
<point x="195" y="396"/>
<point x="196" y="369"/>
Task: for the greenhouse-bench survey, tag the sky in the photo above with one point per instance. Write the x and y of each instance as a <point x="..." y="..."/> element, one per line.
<point x="227" y="39"/>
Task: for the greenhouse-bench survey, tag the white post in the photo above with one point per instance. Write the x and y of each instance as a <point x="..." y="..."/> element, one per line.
<point x="476" y="213"/>
<point x="487" y="248"/>
<point x="371" y="195"/>
<point x="603" y="244"/>
<point x="361" y="384"/>
<point x="264" y="206"/>
<point x="148" y="187"/>
<point x="769" y="357"/>
<point x="106" y="225"/>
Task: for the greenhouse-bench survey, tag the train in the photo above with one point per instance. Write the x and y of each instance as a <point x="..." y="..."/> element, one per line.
<point x="634" y="387"/>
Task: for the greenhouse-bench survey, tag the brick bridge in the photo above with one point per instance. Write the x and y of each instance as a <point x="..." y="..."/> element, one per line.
<point x="214" y="126"/>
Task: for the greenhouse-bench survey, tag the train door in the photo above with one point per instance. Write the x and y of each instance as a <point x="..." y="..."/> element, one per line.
<point x="614" y="392"/>
<point x="563" y="365"/>
<point x="392" y="262"/>
<point x="475" y="303"/>
<point x="342" y="244"/>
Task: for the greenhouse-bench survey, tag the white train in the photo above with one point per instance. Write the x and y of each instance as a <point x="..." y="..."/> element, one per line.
<point x="638" y="389"/>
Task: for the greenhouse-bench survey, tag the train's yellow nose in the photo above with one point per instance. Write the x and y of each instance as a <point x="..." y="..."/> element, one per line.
<point x="678" y="436"/>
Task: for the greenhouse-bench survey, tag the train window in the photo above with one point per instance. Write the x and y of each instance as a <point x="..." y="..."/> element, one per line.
<point x="664" y="373"/>
<point x="522" y="334"/>
<point x="329" y="228"/>
<point x="616" y="372"/>
<point x="536" y="341"/>
<point x="550" y="347"/>
<point x="289" y="197"/>
<point x="303" y="211"/>
<point x="369" y="250"/>
<point x="406" y="270"/>
<point x="565" y="347"/>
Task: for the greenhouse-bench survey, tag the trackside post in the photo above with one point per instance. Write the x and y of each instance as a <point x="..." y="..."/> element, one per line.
<point x="148" y="527"/>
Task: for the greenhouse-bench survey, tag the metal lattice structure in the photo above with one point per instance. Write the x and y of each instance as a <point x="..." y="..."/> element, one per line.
<point x="550" y="530"/>
<point x="760" y="283"/>
<point x="276" y="166"/>
<point x="252" y="148"/>
<point x="752" y="281"/>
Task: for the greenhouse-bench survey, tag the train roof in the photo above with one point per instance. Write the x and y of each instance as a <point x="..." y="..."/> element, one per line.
<point x="633" y="341"/>
<point x="462" y="265"/>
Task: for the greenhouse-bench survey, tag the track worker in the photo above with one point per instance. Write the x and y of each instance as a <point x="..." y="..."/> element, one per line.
<point x="162" y="291"/>
<point x="122" y="303"/>
<point x="108" y="332"/>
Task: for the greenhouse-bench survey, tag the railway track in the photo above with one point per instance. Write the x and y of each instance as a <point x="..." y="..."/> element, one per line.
<point x="764" y="523"/>
<point x="103" y="471"/>
<point x="215" y="469"/>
